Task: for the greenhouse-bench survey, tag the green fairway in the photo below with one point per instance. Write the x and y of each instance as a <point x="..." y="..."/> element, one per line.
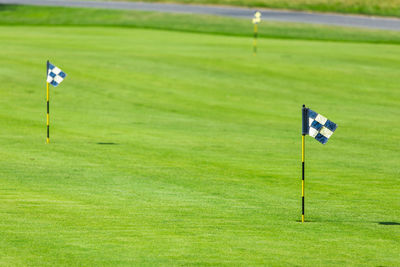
<point x="182" y="148"/>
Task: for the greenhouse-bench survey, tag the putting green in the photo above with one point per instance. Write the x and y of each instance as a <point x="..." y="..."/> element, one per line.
<point x="183" y="148"/>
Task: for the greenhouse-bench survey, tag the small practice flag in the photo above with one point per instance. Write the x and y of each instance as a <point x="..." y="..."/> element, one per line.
<point x="257" y="17"/>
<point x="319" y="127"/>
<point x="54" y="75"/>
<point x="256" y="20"/>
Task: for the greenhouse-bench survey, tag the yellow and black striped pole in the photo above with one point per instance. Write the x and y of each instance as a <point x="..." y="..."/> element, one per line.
<point x="302" y="177"/>
<point x="48" y="106"/>
<point x="303" y="135"/>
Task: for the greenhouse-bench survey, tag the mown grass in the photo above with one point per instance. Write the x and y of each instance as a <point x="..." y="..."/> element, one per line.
<point x="58" y="16"/>
<point x="366" y="7"/>
<point x="202" y="165"/>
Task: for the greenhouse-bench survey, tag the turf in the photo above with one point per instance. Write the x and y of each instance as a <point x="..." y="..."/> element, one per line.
<point x="58" y="16"/>
<point x="179" y="148"/>
<point x="366" y="7"/>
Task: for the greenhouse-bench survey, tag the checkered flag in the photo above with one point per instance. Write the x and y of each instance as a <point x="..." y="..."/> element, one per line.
<point x="54" y="75"/>
<point x="318" y="126"/>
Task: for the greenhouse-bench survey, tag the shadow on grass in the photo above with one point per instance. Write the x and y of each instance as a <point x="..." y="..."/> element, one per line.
<point x="388" y="223"/>
<point x="334" y="221"/>
<point x="106" y="143"/>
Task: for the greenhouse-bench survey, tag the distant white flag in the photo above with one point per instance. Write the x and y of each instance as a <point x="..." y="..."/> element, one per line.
<point x="257" y="17"/>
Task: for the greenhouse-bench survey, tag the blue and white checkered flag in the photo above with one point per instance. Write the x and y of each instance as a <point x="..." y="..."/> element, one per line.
<point x="318" y="126"/>
<point x="54" y="75"/>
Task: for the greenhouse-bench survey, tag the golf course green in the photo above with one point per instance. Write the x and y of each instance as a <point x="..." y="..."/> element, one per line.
<point x="183" y="148"/>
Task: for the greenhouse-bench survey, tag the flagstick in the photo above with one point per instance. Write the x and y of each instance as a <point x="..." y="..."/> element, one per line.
<point x="48" y="114"/>
<point x="304" y="131"/>
<point x="255" y="39"/>
<point x="302" y="180"/>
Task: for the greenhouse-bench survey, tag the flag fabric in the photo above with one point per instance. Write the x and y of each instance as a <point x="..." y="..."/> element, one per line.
<point x="320" y="127"/>
<point x="257" y="17"/>
<point x="54" y="75"/>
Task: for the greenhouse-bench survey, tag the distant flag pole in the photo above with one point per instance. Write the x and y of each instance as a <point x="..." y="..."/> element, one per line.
<point x="256" y="20"/>
<point x="319" y="127"/>
<point x="54" y="77"/>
